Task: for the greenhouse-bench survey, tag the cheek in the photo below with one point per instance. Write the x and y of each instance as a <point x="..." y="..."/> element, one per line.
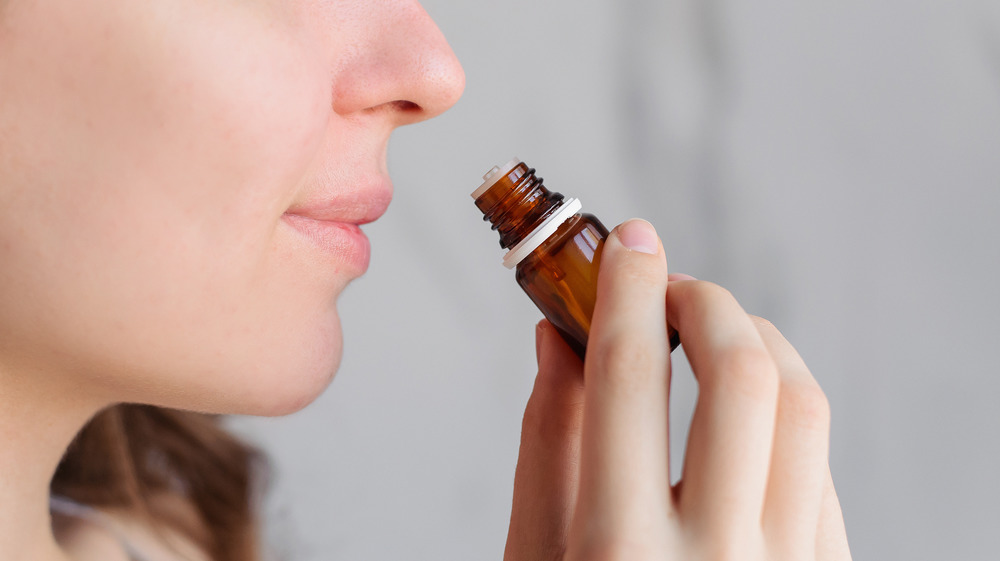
<point x="143" y="240"/>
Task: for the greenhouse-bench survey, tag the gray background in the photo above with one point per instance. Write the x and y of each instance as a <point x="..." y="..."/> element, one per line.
<point x="836" y="165"/>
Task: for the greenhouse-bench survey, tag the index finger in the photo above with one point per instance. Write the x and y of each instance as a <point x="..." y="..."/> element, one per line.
<point x="624" y="473"/>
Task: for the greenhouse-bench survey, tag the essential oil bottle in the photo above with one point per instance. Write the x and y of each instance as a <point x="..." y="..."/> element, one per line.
<point x="555" y="248"/>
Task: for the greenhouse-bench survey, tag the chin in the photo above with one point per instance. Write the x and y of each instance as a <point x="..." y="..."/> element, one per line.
<point x="289" y="378"/>
<point x="302" y="363"/>
<point x="295" y="388"/>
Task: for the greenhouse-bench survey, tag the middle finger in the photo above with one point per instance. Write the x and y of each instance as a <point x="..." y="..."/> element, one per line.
<point x="729" y="446"/>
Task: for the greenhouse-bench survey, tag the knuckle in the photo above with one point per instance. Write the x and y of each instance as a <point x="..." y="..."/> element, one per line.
<point x="624" y="364"/>
<point x="805" y="405"/>
<point x="641" y="273"/>
<point x="748" y="371"/>
<point x="763" y="324"/>
<point x="727" y="550"/>
<point x="711" y="291"/>
<point x="735" y="543"/>
<point x="723" y="552"/>
<point x="634" y="269"/>
<point x="702" y="295"/>
<point x="617" y="550"/>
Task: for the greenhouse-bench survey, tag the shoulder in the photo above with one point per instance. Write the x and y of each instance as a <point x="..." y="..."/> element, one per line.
<point x="83" y="540"/>
<point x="122" y="536"/>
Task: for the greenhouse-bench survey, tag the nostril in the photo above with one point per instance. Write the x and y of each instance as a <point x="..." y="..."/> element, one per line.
<point x="406" y="112"/>
<point x="406" y="106"/>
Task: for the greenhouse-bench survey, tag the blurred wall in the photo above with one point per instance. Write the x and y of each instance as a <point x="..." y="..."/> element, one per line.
<point x="836" y="165"/>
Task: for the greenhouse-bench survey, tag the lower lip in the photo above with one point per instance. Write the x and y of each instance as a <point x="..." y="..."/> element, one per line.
<point x="346" y="243"/>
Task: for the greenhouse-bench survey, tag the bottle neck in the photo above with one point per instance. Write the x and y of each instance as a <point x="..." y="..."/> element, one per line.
<point x="517" y="204"/>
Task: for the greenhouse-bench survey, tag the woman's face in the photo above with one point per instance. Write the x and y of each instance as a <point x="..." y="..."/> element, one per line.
<point x="181" y="183"/>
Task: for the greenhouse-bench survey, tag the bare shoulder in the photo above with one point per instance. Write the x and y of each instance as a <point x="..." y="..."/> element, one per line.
<point x="86" y="541"/>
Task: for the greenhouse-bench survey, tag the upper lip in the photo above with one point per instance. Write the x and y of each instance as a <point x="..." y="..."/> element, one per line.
<point x="356" y="206"/>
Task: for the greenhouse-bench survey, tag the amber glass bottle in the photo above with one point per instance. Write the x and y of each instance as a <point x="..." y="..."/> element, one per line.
<point x="556" y="249"/>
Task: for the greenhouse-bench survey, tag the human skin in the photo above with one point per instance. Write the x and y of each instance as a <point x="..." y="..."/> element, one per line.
<point x="162" y="167"/>
<point x="153" y="153"/>
<point x="593" y="474"/>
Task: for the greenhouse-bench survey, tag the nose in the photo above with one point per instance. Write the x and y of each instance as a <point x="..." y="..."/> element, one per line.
<point x="395" y="60"/>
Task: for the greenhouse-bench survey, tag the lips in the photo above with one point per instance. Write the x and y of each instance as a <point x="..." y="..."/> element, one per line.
<point x="332" y="222"/>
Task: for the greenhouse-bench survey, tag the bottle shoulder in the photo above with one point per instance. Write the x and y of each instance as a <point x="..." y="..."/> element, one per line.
<point x="590" y="219"/>
<point x="578" y="237"/>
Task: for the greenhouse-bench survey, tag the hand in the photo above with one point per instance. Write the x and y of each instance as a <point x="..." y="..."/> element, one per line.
<point x="593" y="476"/>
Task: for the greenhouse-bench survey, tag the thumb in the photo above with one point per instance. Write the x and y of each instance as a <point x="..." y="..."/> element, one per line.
<point x="547" y="475"/>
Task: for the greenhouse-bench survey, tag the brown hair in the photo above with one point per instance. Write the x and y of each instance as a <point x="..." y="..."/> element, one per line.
<point x="129" y="456"/>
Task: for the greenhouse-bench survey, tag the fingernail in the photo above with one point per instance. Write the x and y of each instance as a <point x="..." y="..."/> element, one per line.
<point x="639" y="235"/>
<point x="680" y="277"/>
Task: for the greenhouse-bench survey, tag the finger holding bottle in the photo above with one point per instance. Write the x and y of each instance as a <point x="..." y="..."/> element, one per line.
<point x="727" y="460"/>
<point x="801" y="512"/>
<point x="548" y="462"/>
<point x="755" y="483"/>
<point x="624" y="464"/>
<point x="756" y="479"/>
<point x="799" y="457"/>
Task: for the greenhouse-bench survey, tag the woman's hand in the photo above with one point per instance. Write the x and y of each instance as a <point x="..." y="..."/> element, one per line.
<point x="593" y="476"/>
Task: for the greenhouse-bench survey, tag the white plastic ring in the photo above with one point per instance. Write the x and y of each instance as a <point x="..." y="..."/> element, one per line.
<point x="541" y="233"/>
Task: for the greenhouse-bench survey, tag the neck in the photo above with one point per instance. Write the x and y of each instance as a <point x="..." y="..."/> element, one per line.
<point x="39" y="416"/>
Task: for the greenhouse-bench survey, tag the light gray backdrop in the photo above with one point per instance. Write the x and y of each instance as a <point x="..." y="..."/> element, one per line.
<point x="835" y="164"/>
